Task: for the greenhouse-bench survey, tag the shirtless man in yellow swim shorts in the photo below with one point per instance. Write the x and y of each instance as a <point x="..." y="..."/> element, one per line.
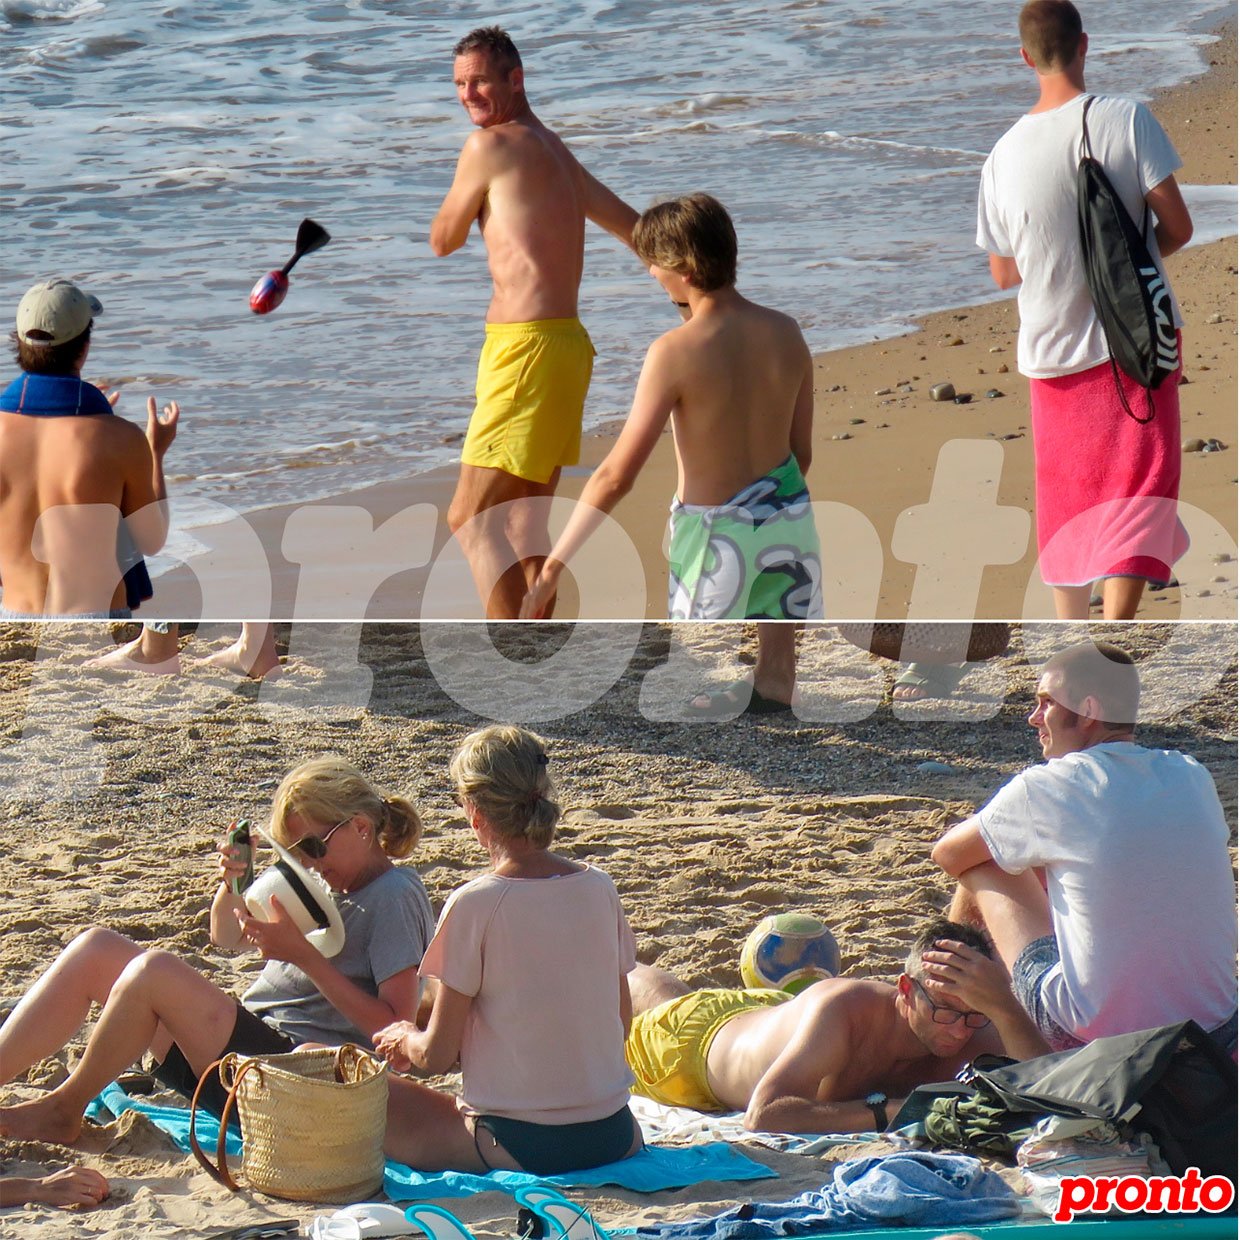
<point x="840" y="1056"/>
<point x="531" y="199"/>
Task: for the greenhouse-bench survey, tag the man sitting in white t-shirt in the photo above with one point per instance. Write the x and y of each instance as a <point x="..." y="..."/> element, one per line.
<point x="1136" y="926"/>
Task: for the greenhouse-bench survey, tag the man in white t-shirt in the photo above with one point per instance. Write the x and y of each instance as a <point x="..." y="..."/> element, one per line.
<point x="1106" y="484"/>
<point x="1103" y="874"/>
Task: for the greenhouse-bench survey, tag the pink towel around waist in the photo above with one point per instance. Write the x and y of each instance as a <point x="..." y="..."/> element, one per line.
<point x="1107" y="486"/>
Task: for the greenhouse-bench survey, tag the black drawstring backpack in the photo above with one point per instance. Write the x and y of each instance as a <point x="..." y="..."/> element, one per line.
<point x="1130" y="296"/>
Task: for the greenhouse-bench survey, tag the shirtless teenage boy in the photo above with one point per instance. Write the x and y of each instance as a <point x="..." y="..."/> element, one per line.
<point x="531" y="199"/>
<point x="838" y="1057"/>
<point x="70" y="470"/>
<point x="737" y="381"/>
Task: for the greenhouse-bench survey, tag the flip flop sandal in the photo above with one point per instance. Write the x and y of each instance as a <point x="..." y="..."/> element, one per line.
<point x="738" y="698"/>
<point x="935" y="680"/>
<point x="437" y="1223"/>
<point x="368" y="1220"/>
<point x="566" y="1220"/>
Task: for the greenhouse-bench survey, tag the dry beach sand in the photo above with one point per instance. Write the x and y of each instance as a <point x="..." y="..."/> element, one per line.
<point x="114" y="789"/>
<point x="878" y="436"/>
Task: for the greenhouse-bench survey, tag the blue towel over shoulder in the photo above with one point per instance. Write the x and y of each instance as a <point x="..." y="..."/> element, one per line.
<point x="67" y="396"/>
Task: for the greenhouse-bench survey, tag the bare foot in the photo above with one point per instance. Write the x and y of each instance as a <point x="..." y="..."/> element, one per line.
<point x="137" y="656"/>
<point x="243" y="658"/>
<point x="42" y="1119"/>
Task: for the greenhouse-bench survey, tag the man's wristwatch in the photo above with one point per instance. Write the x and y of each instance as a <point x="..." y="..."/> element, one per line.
<point x="877" y="1102"/>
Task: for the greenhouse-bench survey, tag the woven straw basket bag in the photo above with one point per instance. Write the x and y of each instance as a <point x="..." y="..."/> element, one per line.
<point x="312" y="1123"/>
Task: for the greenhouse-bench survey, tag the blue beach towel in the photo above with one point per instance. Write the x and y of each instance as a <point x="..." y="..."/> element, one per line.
<point x="66" y="396"/>
<point x="889" y="1190"/>
<point x="653" y="1170"/>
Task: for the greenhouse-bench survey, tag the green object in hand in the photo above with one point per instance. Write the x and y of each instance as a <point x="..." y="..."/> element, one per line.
<point x="239" y="837"/>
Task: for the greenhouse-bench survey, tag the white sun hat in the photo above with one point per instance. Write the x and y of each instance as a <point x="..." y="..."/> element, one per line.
<point x="304" y="896"/>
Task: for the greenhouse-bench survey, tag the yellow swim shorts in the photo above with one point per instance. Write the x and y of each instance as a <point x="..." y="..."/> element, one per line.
<point x="531" y="392"/>
<point x="667" y="1045"/>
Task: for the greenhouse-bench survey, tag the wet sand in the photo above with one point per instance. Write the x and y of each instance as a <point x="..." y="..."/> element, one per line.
<point x="115" y="789"/>
<point x="876" y="448"/>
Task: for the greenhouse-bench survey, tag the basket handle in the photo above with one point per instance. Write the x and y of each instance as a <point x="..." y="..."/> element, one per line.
<point x="219" y="1169"/>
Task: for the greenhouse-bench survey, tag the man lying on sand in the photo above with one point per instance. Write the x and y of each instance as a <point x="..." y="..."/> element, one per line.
<point x="1122" y="834"/>
<point x="737" y="381"/>
<point x="838" y="1057"/>
<point x="70" y="471"/>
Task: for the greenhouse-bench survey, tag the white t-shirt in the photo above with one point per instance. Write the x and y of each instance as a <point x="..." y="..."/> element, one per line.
<point x="543" y="959"/>
<point x="1139" y="880"/>
<point x="1026" y="209"/>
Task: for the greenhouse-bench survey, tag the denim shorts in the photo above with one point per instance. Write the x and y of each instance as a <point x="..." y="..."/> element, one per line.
<point x="1027" y="974"/>
<point x="1030" y="968"/>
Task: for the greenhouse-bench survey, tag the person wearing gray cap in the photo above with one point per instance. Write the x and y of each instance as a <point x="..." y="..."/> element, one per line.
<point x="82" y="493"/>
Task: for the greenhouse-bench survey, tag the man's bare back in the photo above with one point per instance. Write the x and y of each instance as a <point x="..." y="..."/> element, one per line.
<point x="739" y="373"/>
<point x="94" y="469"/>
<point x="809" y="1061"/>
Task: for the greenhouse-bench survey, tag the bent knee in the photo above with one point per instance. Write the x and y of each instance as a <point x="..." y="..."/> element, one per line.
<point x="97" y="939"/>
<point x="150" y="966"/>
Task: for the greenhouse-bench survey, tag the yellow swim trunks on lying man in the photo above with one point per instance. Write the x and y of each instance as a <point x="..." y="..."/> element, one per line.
<point x="531" y="393"/>
<point x="667" y="1045"/>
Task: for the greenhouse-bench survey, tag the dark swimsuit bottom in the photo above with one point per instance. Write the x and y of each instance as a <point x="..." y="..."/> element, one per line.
<point x="551" y="1149"/>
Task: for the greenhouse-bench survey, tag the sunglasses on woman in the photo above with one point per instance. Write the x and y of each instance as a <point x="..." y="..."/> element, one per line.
<point x="315" y="846"/>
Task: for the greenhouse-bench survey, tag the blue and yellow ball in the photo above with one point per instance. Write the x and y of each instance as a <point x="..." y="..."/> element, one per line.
<point x="789" y="951"/>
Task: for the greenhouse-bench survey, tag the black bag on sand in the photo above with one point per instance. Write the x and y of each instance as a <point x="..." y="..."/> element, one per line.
<point x="1173" y="1083"/>
<point x="1130" y="296"/>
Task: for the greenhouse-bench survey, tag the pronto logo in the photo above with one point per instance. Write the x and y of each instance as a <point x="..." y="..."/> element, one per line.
<point x="1130" y="1194"/>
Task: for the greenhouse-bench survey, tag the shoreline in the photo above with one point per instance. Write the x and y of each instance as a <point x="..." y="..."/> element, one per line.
<point x="863" y="393"/>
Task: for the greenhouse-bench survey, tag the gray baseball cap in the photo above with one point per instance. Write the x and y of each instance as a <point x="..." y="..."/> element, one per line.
<point x="57" y="310"/>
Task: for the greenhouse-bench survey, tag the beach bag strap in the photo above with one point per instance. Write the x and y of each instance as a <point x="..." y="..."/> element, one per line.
<point x="1129" y="294"/>
<point x="219" y="1169"/>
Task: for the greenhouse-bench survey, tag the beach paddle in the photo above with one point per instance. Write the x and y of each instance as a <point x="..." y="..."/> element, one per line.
<point x="270" y="291"/>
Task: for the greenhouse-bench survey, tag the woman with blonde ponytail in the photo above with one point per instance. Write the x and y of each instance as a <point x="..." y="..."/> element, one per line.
<point x="533" y="1001"/>
<point x="335" y="820"/>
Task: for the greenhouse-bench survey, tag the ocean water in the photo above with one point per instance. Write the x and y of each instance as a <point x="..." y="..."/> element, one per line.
<point x="163" y="153"/>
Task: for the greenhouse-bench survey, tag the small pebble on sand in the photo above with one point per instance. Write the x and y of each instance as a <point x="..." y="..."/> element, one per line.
<point x="943" y="391"/>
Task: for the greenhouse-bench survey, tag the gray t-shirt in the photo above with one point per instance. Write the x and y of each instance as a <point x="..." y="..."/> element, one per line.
<point x="387" y="923"/>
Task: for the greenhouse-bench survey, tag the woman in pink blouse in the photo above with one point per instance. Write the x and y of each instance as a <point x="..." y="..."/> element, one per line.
<point x="531" y="962"/>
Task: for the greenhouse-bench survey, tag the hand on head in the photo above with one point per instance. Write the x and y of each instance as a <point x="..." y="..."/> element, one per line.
<point x="968" y="976"/>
